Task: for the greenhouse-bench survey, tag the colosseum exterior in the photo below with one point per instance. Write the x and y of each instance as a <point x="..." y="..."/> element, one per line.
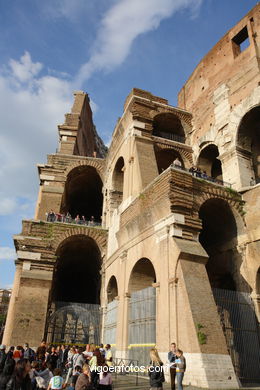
<point x="162" y="254"/>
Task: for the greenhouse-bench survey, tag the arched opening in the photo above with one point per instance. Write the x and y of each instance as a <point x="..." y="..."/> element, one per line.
<point x="142" y="311"/>
<point x="110" y="323"/>
<point x="116" y="194"/>
<point x="77" y="273"/>
<point x="75" y="291"/>
<point x="168" y="126"/>
<point x="112" y="289"/>
<point x="166" y="157"/>
<point x="83" y="194"/>
<point x="208" y="161"/>
<point x="219" y="239"/>
<point x="231" y="292"/>
<point x="248" y="141"/>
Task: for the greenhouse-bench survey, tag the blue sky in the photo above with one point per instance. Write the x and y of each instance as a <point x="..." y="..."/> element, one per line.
<point x="50" y="48"/>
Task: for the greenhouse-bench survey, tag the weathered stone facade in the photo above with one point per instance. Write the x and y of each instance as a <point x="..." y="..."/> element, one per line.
<point x="162" y="227"/>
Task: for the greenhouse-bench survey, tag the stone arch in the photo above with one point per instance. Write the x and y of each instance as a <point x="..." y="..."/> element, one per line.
<point x="142" y="275"/>
<point x="83" y="195"/>
<point x="219" y="237"/>
<point x="248" y="143"/>
<point x="208" y="161"/>
<point x="165" y="157"/>
<point x="92" y="162"/>
<point x="168" y="125"/>
<point x="100" y="239"/>
<point x="235" y="203"/>
<point x="142" y="310"/>
<point x="78" y="265"/>
<point x="117" y="182"/>
<point x="112" y="289"/>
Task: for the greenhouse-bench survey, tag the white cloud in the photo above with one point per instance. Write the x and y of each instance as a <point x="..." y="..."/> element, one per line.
<point x="31" y="106"/>
<point x="25" y="69"/>
<point x="7" y="205"/>
<point x="121" y="25"/>
<point x="7" y="253"/>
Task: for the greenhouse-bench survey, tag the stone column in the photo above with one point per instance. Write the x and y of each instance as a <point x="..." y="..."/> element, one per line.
<point x="122" y="328"/>
<point x="10" y="320"/>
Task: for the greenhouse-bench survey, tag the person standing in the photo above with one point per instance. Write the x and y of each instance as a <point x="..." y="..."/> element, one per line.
<point x="56" y="382"/>
<point x="28" y="353"/>
<point x="180" y="363"/>
<point x="84" y="379"/>
<point x="155" y="371"/>
<point x="171" y="359"/>
<point x="109" y="356"/>
<point x="2" y="357"/>
<point x="20" y="378"/>
<point x="41" y="350"/>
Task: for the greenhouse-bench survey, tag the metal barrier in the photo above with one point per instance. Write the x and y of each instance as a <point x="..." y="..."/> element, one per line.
<point x="242" y="333"/>
<point x="126" y="367"/>
<point x="170" y="136"/>
<point x="55" y="217"/>
<point x="202" y="176"/>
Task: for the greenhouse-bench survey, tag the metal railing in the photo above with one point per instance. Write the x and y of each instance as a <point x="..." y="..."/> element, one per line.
<point x="170" y="136"/>
<point x="202" y="176"/>
<point x="56" y="217"/>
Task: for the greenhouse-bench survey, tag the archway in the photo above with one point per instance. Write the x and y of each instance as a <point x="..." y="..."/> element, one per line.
<point x="83" y="193"/>
<point x="219" y="239"/>
<point x="208" y="161"/>
<point x="231" y="292"/>
<point x="165" y="157"/>
<point x="75" y="288"/>
<point x="142" y="311"/>
<point x="112" y="289"/>
<point x="248" y="141"/>
<point x="116" y="194"/>
<point x="110" y="323"/>
<point x="168" y="125"/>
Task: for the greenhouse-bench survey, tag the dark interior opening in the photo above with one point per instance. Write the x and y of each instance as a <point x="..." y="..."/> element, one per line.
<point x="168" y="126"/>
<point x="165" y="157"/>
<point x="112" y="289"/>
<point x="218" y="238"/>
<point x="240" y="42"/>
<point x="77" y="273"/>
<point x="83" y="194"/>
<point x="208" y="161"/>
<point x="249" y="140"/>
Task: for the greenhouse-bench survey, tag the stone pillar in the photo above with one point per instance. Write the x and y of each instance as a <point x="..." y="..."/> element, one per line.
<point x="10" y="320"/>
<point x="29" y="305"/>
<point x="122" y="327"/>
<point x="237" y="168"/>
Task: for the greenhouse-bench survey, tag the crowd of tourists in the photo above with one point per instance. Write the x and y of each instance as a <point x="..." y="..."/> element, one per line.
<point x="57" y="367"/>
<point x="54" y="368"/>
<point x="51" y="216"/>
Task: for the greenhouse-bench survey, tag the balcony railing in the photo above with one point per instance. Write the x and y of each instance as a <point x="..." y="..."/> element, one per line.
<point x="170" y="136"/>
<point x="56" y="217"/>
<point x="203" y="176"/>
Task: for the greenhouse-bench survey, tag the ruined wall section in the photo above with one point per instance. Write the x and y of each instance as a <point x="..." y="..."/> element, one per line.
<point x="224" y="77"/>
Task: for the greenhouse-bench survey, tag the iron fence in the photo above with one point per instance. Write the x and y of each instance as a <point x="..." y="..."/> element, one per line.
<point x="241" y="330"/>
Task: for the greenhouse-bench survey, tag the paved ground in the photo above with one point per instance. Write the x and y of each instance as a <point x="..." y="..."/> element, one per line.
<point x="126" y="382"/>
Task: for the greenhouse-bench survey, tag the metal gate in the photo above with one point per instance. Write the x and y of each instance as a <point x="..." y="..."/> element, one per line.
<point x="110" y="323"/>
<point x="73" y="323"/>
<point x="142" y="324"/>
<point x="242" y="333"/>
